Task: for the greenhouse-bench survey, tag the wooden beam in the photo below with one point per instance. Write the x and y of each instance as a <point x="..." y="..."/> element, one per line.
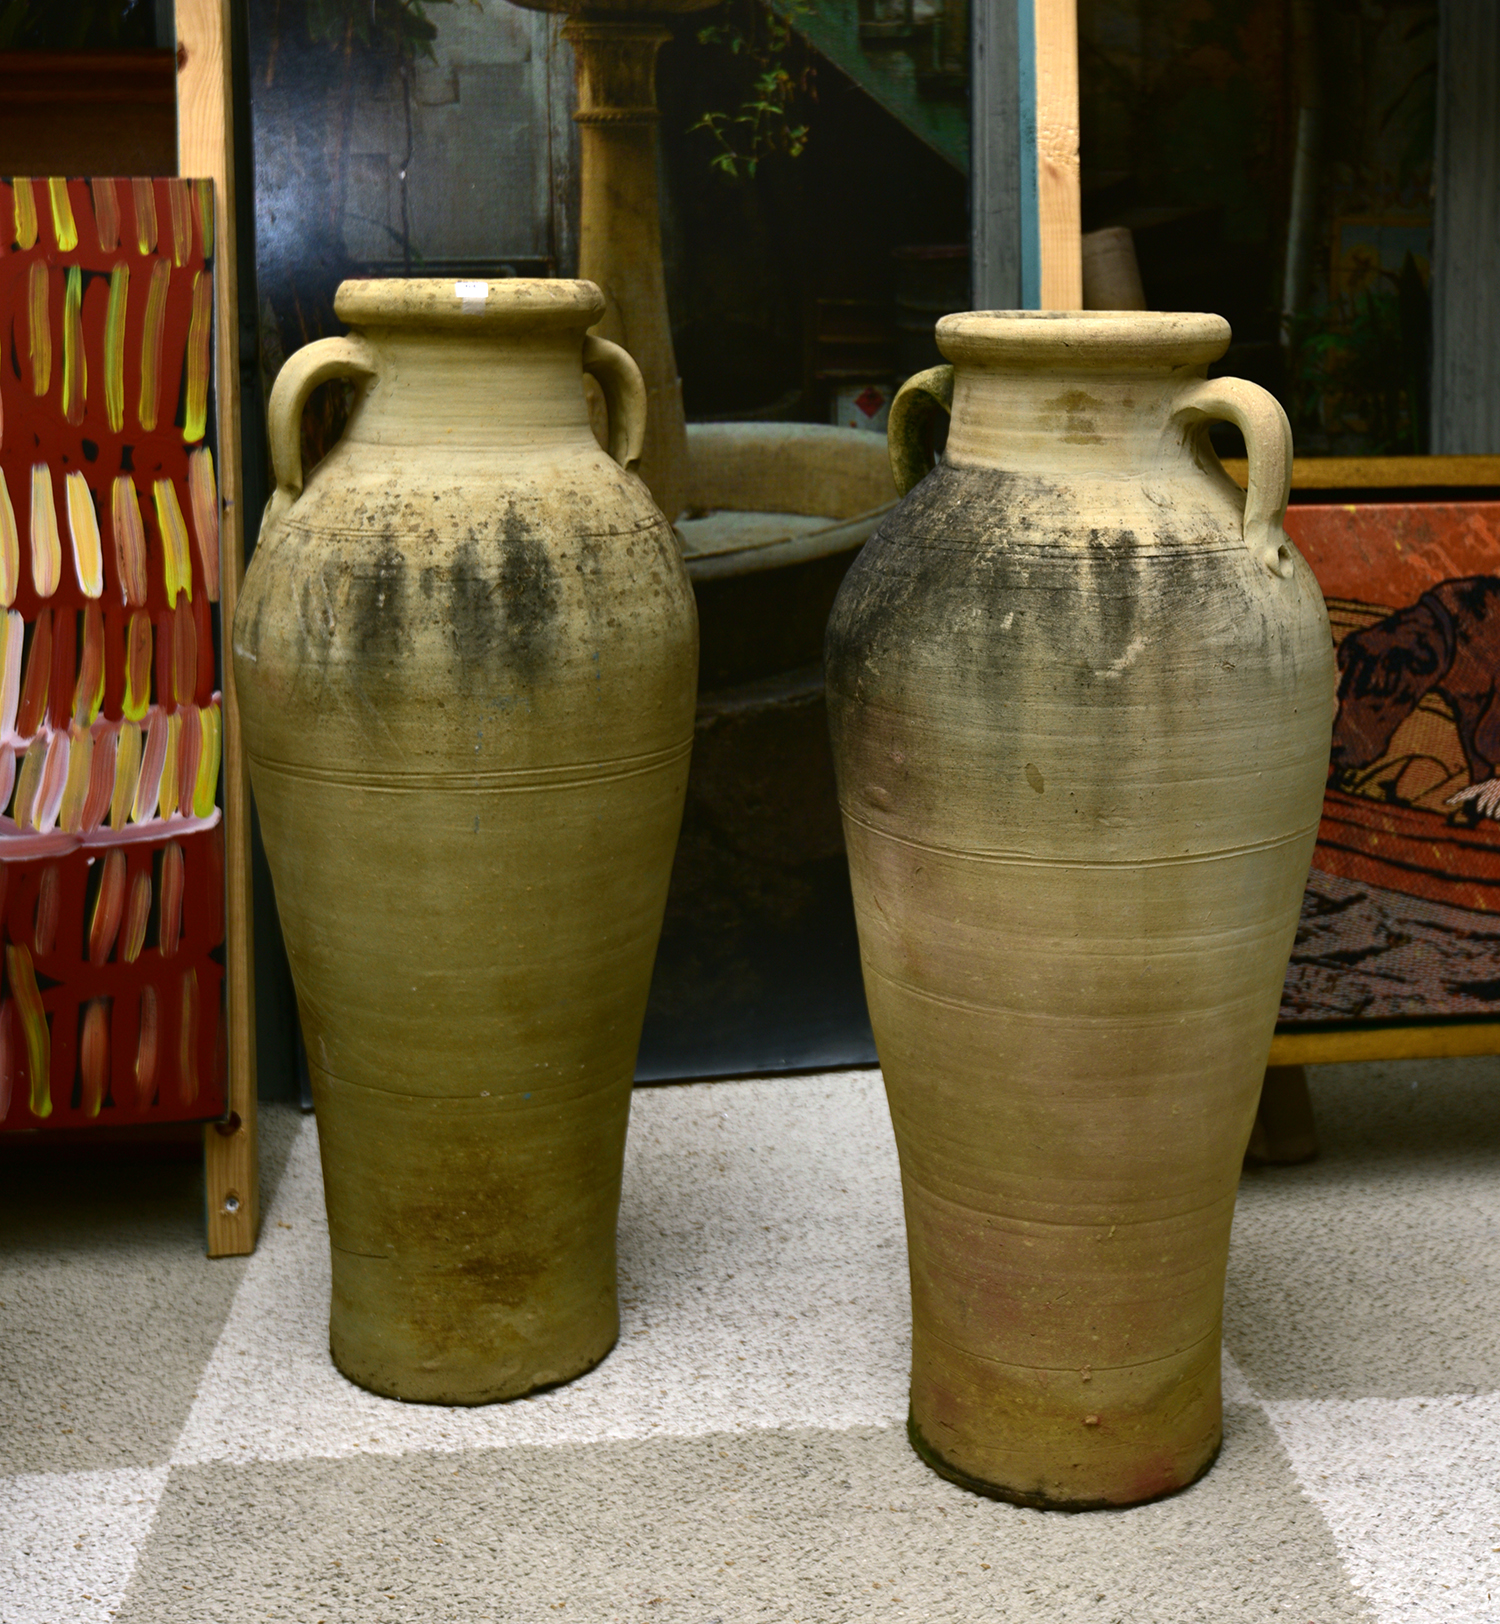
<point x="1375" y="473"/>
<point x="1058" y="202"/>
<point x="1362" y="1042"/>
<point x="205" y="124"/>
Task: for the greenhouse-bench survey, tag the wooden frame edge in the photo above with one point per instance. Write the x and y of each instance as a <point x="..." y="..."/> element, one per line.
<point x="1385" y="1043"/>
<point x="1377" y="473"/>
<point x="205" y="135"/>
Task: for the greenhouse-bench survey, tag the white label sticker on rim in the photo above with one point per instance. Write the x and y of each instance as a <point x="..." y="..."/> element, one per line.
<point x="468" y="291"/>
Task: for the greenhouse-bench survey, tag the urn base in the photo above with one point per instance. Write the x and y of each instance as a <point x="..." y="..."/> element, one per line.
<point x="1033" y="1498"/>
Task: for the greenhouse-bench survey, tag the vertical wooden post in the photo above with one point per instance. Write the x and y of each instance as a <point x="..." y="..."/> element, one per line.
<point x="1058" y="206"/>
<point x="205" y="126"/>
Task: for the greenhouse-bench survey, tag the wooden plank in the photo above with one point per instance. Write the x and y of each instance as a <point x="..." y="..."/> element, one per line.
<point x="1058" y="198"/>
<point x="995" y="158"/>
<point x="1384" y="1043"/>
<point x="1375" y="473"/>
<point x="204" y="139"/>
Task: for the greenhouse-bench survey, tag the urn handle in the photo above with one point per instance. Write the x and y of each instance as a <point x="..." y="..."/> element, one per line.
<point x="624" y="395"/>
<point x="311" y="365"/>
<point x="1268" y="439"/>
<point x="906" y="428"/>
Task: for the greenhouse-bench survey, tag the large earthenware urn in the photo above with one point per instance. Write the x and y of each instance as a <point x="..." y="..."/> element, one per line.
<point x="1081" y="689"/>
<point x="466" y="653"/>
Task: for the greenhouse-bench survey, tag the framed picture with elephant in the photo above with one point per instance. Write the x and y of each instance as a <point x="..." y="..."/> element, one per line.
<point x="1398" y="951"/>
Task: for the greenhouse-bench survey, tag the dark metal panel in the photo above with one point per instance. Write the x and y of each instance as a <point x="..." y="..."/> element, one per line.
<point x="1466" y="247"/>
<point x="995" y="156"/>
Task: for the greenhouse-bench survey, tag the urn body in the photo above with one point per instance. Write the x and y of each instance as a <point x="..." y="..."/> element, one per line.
<point x="466" y="656"/>
<point x="1080" y="692"/>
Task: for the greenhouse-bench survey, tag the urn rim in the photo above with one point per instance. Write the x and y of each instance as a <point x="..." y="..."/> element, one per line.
<point x="1083" y="338"/>
<point x="532" y="303"/>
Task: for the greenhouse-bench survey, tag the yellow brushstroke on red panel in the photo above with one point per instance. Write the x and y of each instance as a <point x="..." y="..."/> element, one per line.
<point x="28" y="782"/>
<point x="173" y="880"/>
<point x="200" y="329"/>
<point x="101" y="774"/>
<point x="189" y="754"/>
<point x="22" y="978"/>
<point x="127" y="775"/>
<point x="137" y="666"/>
<point x="204" y="189"/>
<point x="88" y="691"/>
<point x="7" y="779"/>
<point x="153" y="759"/>
<point x="180" y="207"/>
<point x="10" y="1054"/>
<point x="166" y="790"/>
<point x="184" y="653"/>
<point x="106" y="212"/>
<point x="130" y="540"/>
<point x="206" y="787"/>
<point x="93" y="1056"/>
<point x="83" y="531"/>
<point x="75" y="362"/>
<point x="177" y="563"/>
<point x="64" y="226"/>
<point x="76" y="785"/>
<point x="109" y="907"/>
<point x="143" y="196"/>
<point x="24" y="200"/>
<point x="147" y="1050"/>
<point x="137" y="917"/>
<point x="203" y="493"/>
<point x="13" y="630"/>
<point x="46" y="539"/>
<point x="39" y="326"/>
<point x="187" y="1041"/>
<point x="10" y="547"/>
<point x="49" y="792"/>
<point x="153" y="326"/>
<point x="38" y="672"/>
<point x="48" y="911"/>
<point x="114" y="346"/>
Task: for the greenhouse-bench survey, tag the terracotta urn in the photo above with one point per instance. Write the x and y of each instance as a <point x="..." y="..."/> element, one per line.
<point x="466" y="651"/>
<point x="1080" y="690"/>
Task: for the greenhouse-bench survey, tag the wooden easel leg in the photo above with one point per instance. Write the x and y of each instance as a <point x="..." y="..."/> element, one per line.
<point x="205" y="135"/>
<point x="1284" y="1130"/>
<point x="231" y="1176"/>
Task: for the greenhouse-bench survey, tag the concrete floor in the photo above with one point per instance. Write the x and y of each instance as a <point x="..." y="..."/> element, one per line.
<point x="176" y="1445"/>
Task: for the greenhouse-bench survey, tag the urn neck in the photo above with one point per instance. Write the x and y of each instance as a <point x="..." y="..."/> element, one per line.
<point x="1078" y="392"/>
<point x="486" y="392"/>
<point x="1068" y="420"/>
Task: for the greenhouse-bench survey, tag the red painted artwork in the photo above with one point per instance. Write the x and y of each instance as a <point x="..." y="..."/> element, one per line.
<point x="1401" y="920"/>
<point x="111" y="835"/>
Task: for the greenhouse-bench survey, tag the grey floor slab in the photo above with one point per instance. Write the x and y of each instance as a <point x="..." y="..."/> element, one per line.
<point x="810" y="1526"/>
<point x="1374" y="1271"/>
<point x="109" y="1308"/>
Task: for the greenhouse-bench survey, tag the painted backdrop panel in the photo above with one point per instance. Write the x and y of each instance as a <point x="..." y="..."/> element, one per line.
<point x="1402" y="915"/>
<point x="111" y="837"/>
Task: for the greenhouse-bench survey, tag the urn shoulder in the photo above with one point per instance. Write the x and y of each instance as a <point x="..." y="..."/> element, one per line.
<point x="466" y="543"/>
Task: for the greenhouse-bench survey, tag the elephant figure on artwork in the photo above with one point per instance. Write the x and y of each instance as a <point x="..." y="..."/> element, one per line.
<point x="1446" y="643"/>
